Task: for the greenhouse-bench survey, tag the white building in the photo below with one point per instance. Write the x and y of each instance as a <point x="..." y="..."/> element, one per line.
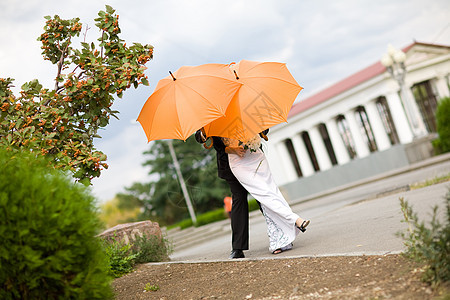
<point x="366" y="124"/>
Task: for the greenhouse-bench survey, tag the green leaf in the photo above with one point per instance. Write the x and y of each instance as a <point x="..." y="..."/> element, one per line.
<point x="85" y="182"/>
<point x="144" y="81"/>
<point x="109" y="9"/>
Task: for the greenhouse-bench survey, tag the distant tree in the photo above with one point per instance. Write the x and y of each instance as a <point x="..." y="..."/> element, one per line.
<point x="111" y="214"/>
<point x="162" y="199"/>
<point x="442" y="143"/>
<point x="62" y="122"/>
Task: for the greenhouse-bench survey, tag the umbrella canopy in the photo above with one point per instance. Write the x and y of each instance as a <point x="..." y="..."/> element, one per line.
<point x="187" y="100"/>
<point x="267" y="93"/>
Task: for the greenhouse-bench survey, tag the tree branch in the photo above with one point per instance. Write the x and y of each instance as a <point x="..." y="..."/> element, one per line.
<point x="61" y="61"/>
<point x="101" y="49"/>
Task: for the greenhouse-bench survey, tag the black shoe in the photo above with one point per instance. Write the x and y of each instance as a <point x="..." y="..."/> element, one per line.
<point x="302" y="227"/>
<point x="237" y="254"/>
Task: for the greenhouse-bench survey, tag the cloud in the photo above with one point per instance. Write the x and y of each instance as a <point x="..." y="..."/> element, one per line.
<point x="125" y="157"/>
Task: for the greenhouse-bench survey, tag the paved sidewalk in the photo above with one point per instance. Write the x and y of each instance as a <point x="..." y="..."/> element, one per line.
<point x="360" y="218"/>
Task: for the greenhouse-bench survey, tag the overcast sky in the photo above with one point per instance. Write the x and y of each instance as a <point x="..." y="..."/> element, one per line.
<point x="321" y="42"/>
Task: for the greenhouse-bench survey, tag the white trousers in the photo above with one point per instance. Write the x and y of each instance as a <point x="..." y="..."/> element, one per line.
<point x="254" y="174"/>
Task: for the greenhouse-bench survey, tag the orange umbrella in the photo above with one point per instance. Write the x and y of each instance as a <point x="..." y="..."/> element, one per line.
<point x="267" y="93"/>
<point x="187" y="100"/>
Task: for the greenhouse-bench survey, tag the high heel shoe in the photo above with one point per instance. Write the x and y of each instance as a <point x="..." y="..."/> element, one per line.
<point x="282" y="249"/>
<point x="302" y="227"/>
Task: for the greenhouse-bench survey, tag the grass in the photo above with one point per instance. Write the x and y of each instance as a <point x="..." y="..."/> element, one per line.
<point x="435" y="180"/>
<point x="151" y="287"/>
<point x="428" y="244"/>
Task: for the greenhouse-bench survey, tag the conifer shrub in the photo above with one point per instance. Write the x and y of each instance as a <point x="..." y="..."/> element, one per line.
<point x="48" y="225"/>
<point x="442" y="143"/>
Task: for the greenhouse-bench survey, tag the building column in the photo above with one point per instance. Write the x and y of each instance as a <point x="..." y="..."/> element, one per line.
<point x="338" y="145"/>
<point x="322" y="156"/>
<point x="442" y="87"/>
<point x="361" y="148"/>
<point x="377" y="126"/>
<point x="302" y="155"/>
<point x="399" y="117"/>
<point x="419" y="128"/>
<point x="289" y="173"/>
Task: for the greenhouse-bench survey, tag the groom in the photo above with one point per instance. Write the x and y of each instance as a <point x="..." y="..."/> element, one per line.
<point x="239" y="210"/>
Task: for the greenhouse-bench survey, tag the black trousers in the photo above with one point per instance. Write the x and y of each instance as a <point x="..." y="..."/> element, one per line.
<point x="239" y="215"/>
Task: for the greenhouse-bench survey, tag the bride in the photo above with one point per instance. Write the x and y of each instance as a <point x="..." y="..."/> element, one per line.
<point x="249" y="165"/>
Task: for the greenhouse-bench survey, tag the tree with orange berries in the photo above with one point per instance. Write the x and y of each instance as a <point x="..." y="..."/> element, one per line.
<point x="62" y="122"/>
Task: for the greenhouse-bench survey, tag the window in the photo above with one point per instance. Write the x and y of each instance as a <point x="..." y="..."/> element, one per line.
<point x="310" y="149"/>
<point x="291" y="150"/>
<point x="346" y="136"/>
<point x="386" y="118"/>
<point x="426" y="100"/>
<point x="326" y="140"/>
<point x="366" y="129"/>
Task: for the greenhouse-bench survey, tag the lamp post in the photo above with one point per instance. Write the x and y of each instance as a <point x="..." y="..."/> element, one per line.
<point x="182" y="183"/>
<point x="394" y="61"/>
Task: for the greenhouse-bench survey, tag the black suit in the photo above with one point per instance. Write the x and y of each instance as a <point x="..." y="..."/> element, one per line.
<point x="239" y="209"/>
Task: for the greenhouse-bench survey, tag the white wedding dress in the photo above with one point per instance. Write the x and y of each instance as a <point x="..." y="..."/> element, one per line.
<point x="254" y="174"/>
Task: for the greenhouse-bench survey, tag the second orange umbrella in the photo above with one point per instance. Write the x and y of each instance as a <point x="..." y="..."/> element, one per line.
<point x="267" y="93"/>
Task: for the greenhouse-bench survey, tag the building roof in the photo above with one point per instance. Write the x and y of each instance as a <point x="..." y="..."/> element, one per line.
<point x="345" y="84"/>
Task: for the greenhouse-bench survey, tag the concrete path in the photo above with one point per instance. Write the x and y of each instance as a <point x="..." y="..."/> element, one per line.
<point x="360" y="218"/>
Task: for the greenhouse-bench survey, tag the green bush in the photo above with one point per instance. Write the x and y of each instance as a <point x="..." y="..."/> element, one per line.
<point x="429" y="246"/>
<point x="151" y="249"/>
<point x="121" y="259"/>
<point x="253" y="205"/>
<point x="186" y="223"/>
<point x="210" y="217"/>
<point x="48" y="225"/>
<point x="442" y="143"/>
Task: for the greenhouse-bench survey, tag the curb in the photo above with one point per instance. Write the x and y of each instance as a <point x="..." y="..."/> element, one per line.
<point x="381" y="253"/>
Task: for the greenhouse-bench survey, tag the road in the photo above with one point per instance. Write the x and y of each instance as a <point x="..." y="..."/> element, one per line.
<point x="360" y="218"/>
